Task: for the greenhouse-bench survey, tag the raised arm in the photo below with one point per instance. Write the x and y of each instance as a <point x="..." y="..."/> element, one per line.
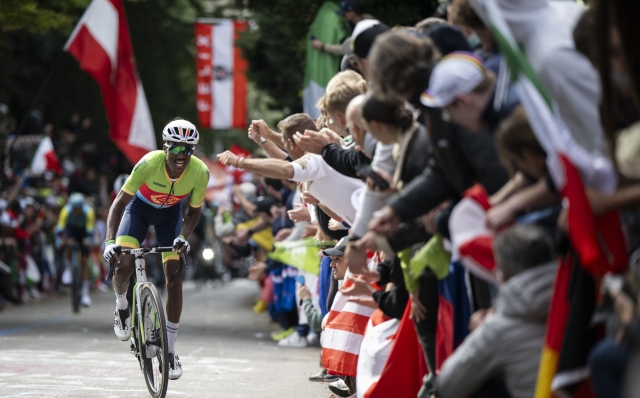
<point x="273" y="168"/>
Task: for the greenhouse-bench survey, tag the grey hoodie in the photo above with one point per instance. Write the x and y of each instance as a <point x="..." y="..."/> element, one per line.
<point x="508" y="343"/>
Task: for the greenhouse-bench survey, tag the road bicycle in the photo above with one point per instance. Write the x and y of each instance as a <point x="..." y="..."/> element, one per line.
<point x="76" y="280"/>
<point x="148" y="322"/>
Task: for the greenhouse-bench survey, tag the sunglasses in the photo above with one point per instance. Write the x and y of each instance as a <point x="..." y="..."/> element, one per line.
<point x="178" y="149"/>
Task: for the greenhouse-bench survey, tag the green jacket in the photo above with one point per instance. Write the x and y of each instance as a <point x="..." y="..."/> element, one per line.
<point x="314" y="317"/>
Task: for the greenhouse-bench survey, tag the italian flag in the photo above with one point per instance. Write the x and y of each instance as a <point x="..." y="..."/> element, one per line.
<point x="598" y="242"/>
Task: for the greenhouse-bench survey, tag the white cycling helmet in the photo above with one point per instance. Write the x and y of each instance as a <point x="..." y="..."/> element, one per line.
<point x="181" y="132"/>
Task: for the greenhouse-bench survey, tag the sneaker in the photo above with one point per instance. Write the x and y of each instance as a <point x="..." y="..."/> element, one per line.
<point x="340" y="389"/>
<point x="330" y="378"/>
<point x="261" y="306"/>
<point x="313" y="338"/>
<point x="277" y="336"/>
<point x="175" y="367"/>
<point x="85" y="301"/>
<point x="319" y="377"/>
<point x="122" y="324"/>
<point x="293" y="341"/>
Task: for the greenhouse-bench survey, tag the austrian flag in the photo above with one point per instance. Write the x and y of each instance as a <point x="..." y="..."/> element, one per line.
<point x="221" y="91"/>
<point x="101" y="44"/>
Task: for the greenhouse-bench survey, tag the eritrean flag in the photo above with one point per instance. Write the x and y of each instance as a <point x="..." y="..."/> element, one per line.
<point x="597" y="242"/>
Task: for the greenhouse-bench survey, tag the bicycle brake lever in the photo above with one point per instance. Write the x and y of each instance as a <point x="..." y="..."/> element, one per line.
<point x="112" y="263"/>
<point x="183" y="262"/>
<point x="112" y="269"/>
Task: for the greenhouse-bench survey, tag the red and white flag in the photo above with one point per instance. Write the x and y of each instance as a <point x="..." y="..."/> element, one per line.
<point x="45" y="158"/>
<point x="343" y="334"/>
<point x="374" y="351"/>
<point x="101" y="44"/>
<point x="221" y="91"/>
<point x="471" y="240"/>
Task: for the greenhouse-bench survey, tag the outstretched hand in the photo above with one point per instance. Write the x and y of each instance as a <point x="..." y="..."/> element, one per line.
<point x="385" y="222"/>
<point x="228" y="158"/>
<point x="311" y="141"/>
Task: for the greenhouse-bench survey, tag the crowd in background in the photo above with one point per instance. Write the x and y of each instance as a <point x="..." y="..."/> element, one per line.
<point x="459" y="252"/>
<point x="32" y="249"/>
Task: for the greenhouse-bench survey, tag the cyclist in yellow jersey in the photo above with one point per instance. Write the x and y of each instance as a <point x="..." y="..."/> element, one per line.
<point x="152" y="195"/>
<point x="75" y="224"/>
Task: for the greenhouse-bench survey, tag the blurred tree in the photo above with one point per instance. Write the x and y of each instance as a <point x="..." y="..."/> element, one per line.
<point x="275" y="49"/>
<point x="35" y="17"/>
<point x="33" y="33"/>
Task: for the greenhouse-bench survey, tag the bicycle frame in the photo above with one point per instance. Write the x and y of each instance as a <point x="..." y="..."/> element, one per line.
<point x="141" y="279"/>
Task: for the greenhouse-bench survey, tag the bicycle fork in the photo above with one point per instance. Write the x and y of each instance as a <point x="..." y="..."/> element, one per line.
<point x="136" y="318"/>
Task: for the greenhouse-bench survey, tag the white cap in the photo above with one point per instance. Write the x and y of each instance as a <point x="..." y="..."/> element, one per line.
<point x="362" y="26"/>
<point x="458" y="73"/>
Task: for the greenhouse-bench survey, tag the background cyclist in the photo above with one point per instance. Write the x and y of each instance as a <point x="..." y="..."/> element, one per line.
<point x="152" y="195"/>
<point x="75" y="225"/>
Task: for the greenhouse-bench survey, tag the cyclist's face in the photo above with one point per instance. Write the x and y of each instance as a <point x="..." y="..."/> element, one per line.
<point x="180" y="161"/>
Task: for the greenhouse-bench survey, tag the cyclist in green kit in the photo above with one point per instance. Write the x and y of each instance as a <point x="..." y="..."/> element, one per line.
<point x="152" y="195"/>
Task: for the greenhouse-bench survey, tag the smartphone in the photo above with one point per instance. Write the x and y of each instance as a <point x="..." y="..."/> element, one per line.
<point x="365" y="171"/>
<point x="313" y="37"/>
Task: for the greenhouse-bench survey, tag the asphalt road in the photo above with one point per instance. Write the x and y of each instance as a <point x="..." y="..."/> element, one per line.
<point x="225" y="350"/>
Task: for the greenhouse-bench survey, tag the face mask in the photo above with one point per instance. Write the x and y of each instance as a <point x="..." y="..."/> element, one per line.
<point x="178" y="149"/>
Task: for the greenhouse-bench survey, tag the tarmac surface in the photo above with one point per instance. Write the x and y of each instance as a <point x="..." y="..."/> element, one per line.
<point x="225" y="350"/>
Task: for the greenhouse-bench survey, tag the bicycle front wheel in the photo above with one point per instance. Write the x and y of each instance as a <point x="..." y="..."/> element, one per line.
<point x="153" y="338"/>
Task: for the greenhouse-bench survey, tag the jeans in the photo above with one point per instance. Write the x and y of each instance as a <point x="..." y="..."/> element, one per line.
<point x="607" y="364"/>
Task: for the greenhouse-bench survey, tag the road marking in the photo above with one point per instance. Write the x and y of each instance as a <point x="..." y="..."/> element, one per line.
<point x="52" y="321"/>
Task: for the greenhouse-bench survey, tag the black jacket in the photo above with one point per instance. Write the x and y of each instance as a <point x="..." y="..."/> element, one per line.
<point x="463" y="158"/>
<point x="393" y="302"/>
<point x="344" y="161"/>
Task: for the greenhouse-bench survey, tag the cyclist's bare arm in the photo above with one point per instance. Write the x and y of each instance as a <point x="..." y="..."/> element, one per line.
<point x="190" y="221"/>
<point x="115" y="213"/>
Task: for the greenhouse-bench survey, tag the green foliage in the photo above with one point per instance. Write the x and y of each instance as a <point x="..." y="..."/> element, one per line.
<point x="34" y="17"/>
<point x="276" y="49"/>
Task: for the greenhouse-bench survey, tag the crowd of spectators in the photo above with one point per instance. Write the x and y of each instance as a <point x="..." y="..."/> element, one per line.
<point x="31" y="257"/>
<point x="432" y="201"/>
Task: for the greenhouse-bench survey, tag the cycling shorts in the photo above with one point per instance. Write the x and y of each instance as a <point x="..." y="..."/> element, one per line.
<point x="137" y="218"/>
<point x="78" y="235"/>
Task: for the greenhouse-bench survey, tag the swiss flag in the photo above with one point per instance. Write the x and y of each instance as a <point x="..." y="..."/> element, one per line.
<point x="45" y="159"/>
<point x="101" y="44"/>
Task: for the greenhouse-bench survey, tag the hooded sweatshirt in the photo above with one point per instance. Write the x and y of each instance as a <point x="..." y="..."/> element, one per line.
<point x="508" y="343"/>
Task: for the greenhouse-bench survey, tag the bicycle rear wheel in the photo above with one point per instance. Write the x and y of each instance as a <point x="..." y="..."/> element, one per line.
<point x="76" y="282"/>
<point x="153" y="342"/>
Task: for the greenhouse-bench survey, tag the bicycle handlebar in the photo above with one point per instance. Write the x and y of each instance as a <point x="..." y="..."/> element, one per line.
<point x="146" y="250"/>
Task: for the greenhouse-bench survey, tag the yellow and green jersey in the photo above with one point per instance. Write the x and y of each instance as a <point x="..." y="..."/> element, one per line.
<point x="150" y="182"/>
<point x="68" y="221"/>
